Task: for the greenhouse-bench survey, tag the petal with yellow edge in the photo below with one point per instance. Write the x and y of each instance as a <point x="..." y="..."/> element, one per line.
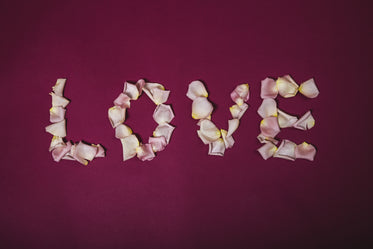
<point x="306" y="122"/>
<point x="309" y="89"/>
<point x="145" y="152"/>
<point x="268" y="89"/>
<point x="285" y="120"/>
<point x="305" y="151"/>
<point x="158" y="143"/>
<point x="117" y="115"/>
<point x="286" y="86"/>
<point x="286" y="150"/>
<point x="217" y="148"/>
<point x="131" y="90"/>
<point x="196" y="89"/>
<point x="268" y="108"/>
<point x="240" y="94"/>
<point x="56" y="114"/>
<point x="267" y="150"/>
<point x="209" y="130"/>
<point x="122" y="131"/>
<point x="201" y="108"/>
<point x="269" y="127"/>
<point x="237" y="111"/>
<point x="129" y="146"/>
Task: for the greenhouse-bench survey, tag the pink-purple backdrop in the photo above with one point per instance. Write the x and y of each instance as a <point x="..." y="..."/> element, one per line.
<point x="184" y="198"/>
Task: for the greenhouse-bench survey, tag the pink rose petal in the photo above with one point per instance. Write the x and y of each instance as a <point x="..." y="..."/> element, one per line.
<point x="267" y="150"/>
<point x="263" y="139"/>
<point x="309" y="89"/>
<point x="269" y="127"/>
<point x="217" y="148"/>
<point x="122" y="101"/>
<point x="201" y="108"/>
<point x="164" y="130"/>
<point x="59" y="86"/>
<point x="140" y="85"/>
<point x="145" y="152"/>
<point x="158" y="143"/>
<point x="56" y="142"/>
<point x="285" y="120"/>
<point x="56" y="114"/>
<point x="268" y="89"/>
<point x="268" y="108"/>
<point x="286" y="150"/>
<point x="131" y="90"/>
<point x="228" y="141"/>
<point x="238" y="111"/>
<point x="240" y="94"/>
<point x="163" y="114"/>
<point x="196" y="89"/>
<point x="59" y="152"/>
<point x="305" y="151"/>
<point x="117" y="115"/>
<point x="306" y="122"/>
<point x="286" y="86"/>
<point x="59" y="100"/>
<point x="57" y="129"/>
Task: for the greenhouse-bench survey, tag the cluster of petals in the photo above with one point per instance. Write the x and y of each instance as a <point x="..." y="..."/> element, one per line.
<point x="59" y="148"/>
<point x="273" y="119"/>
<point x="162" y="115"/>
<point x="218" y="139"/>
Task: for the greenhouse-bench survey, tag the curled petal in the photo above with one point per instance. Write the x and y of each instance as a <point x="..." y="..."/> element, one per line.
<point x="285" y="120"/>
<point x="129" y="145"/>
<point x="238" y="111"/>
<point x="263" y="139"/>
<point x="59" y="152"/>
<point x="268" y="108"/>
<point x="145" y="152"/>
<point x="163" y="114"/>
<point x="122" y="101"/>
<point x="232" y="126"/>
<point x="269" y="127"/>
<point x="122" y="131"/>
<point x="196" y="89"/>
<point x="286" y="150"/>
<point x="131" y="90"/>
<point x="267" y="150"/>
<point x="156" y="92"/>
<point x="59" y="86"/>
<point x="305" y="151"/>
<point x="164" y="130"/>
<point x="59" y="100"/>
<point x="306" y="122"/>
<point x="100" y="150"/>
<point x="309" y="89"/>
<point x="286" y="86"/>
<point x="201" y="108"/>
<point x="140" y="85"/>
<point x="56" y="142"/>
<point x="203" y="138"/>
<point x="56" y="114"/>
<point x="117" y="115"/>
<point x="240" y="94"/>
<point x="57" y="129"/>
<point x="269" y="89"/>
<point x="209" y="130"/>
<point x="217" y="148"/>
<point x="228" y="141"/>
<point x="158" y="143"/>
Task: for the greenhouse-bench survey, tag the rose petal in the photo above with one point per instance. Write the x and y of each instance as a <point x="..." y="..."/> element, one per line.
<point x="140" y="85"/>
<point x="163" y="114"/>
<point x="232" y="126"/>
<point x="209" y="130"/>
<point x="156" y="92"/>
<point x="285" y="120"/>
<point x="217" y="148"/>
<point x="59" y="152"/>
<point x="56" y="114"/>
<point x="306" y="122"/>
<point x="131" y="90"/>
<point x="158" y="143"/>
<point x="59" y="86"/>
<point x="59" y="100"/>
<point x="86" y="151"/>
<point x="145" y="152"/>
<point x="305" y="151"/>
<point x="286" y="150"/>
<point x="164" y="130"/>
<point x="309" y="89"/>
<point x="57" y="129"/>
<point x="268" y="108"/>
<point x="263" y="139"/>
<point x="129" y="145"/>
<point x="269" y="89"/>
<point x="122" y="131"/>
<point x="117" y="115"/>
<point x="100" y="150"/>
<point x="286" y="86"/>
<point x="240" y="94"/>
<point x="200" y="120"/>
<point x="74" y="156"/>
<point x="56" y="142"/>
<point x="238" y="111"/>
<point x="228" y="141"/>
<point x="203" y="138"/>
<point x="196" y="89"/>
<point x="267" y="150"/>
<point x="269" y="127"/>
<point x="201" y="108"/>
<point x="122" y="101"/>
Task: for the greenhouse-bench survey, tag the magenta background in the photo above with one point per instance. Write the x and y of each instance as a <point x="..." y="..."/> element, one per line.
<point x="184" y="198"/>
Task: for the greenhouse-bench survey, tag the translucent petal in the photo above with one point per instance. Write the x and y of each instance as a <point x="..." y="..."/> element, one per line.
<point x="122" y="131"/>
<point x="158" y="143"/>
<point x="285" y="120"/>
<point x="268" y="89"/>
<point x="196" y="89"/>
<point x="56" y="141"/>
<point x="59" y="100"/>
<point x="240" y="94"/>
<point x="268" y="108"/>
<point x="232" y="126"/>
<point x="305" y="151"/>
<point x="228" y="141"/>
<point x="238" y="111"/>
<point x="164" y="130"/>
<point x="145" y="152"/>
<point x="269" y="127"/>
<point x="309" y="89"/>
<point x="201" y="108"/>
<point x="85" y="151"/>
<point x="156" y="92"/>
<point x="100" y="150"/>
<point x="306" y="122"/>
<point x="263" y="139"/>
<point x="59" y="86"/>
<point x="59" y="152"/>
<point x="267" y="150"/>
<point x="140" y="85"/>
<point x="57" y="129"/>
<point x="163" y="114"/>
<point x="117" y="115"/>
<point x="286" y="150"/>
<point x="217" y="148"/>
<point x="286" y="86"/>
<point x="131" y="90"/>
<point x="209" y="130"/>
<point x="129" y="146"/>
<point x="56" y="114"/>
<point x="122" y="101"/>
